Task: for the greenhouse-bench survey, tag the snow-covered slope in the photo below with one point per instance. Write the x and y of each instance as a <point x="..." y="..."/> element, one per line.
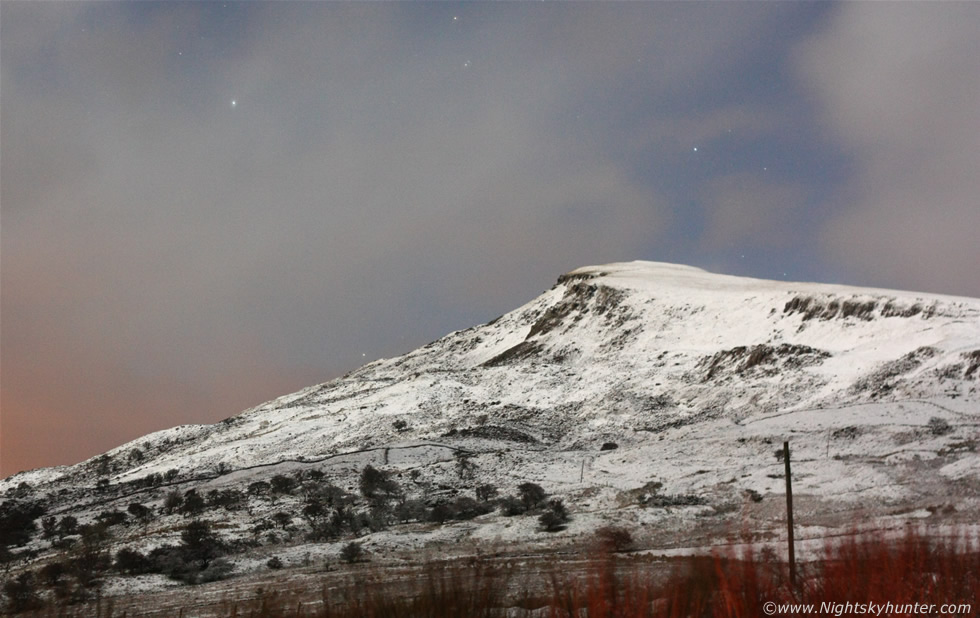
<point x="695" y="378"/>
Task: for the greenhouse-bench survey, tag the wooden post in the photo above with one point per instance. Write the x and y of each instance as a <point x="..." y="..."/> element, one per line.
<point x="789" y="516"/>
<point x="581" y="475"/>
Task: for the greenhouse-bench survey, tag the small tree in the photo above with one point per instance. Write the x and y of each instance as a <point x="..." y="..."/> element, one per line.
<point x="258" y="489"/>
<point x="282" y="519"/>
<point x="376" y="483"/>
<point x="531" y="495"/>
<point x="281" y="485"/>
<point x="486" y="493"/>
<point x="200" y="543"/>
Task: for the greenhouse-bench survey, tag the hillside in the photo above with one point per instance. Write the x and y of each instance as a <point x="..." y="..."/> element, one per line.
<point x="647" y="395"/>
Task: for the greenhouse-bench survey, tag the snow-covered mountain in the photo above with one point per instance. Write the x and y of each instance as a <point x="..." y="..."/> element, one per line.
<point x="621" y="383"/>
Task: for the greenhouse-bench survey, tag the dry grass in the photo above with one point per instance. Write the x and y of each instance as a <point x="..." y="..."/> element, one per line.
<point x="858" y="569"/>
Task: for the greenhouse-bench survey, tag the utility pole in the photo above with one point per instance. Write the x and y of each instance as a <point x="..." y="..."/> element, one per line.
<point x="789" y="516"/>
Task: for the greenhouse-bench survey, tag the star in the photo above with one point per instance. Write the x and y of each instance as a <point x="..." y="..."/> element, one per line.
<point x="234" y="103"/>
<point x="695" y="149"/>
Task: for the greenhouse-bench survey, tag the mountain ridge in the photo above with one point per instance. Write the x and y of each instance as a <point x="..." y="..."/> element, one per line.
<point x="620" y="377"/>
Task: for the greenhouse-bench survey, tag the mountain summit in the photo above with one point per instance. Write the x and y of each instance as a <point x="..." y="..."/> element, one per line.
<point x="651" y="395"/>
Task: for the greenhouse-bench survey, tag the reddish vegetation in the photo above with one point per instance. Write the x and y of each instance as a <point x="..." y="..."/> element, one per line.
<point x="863" y="569"/>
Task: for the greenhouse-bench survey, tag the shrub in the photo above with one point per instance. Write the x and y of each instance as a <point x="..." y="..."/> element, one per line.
<point x="49" y="526"/>
<point x="143" y="513"/>
<point x="614" y="539"/>
<point x="441" y="513"/>
<point x="555" y="518"/>
<point x="193" y="503"/>
<point x="274" y="563"/>
<point x="67" y="526"/>
<point x="467" y="508"/>
<point x="173" y="501"/>
<point x="511" y="506"/>
<point x="410" y="510"/>
<point x="17" y="522"/>
<point x="22" y="594"/>
<point x="132" y="562"/>
<point x="52" y="573"/>
<point x="352" y="552"/>
<point x="939" y="426"/>
<point x="111" y="518"/>
<point x="217" y="570"/>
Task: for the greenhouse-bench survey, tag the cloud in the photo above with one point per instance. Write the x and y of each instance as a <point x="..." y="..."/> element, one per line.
<point x="898" y="85"/>
<point x="388" y="174"/>
<point x="749" y="210"/>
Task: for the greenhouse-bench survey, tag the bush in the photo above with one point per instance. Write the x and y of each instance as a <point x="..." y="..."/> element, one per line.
<point x="441" y="513"/>
<point x="22" y="594"/>
<point x="143" y="513"/>
<point x="173" y="501"/>
<point x="132" y="562"/>
<point x="49" y="527"/>
<point x="67" y="526"/>
<point x="274" y="563"/>
<point x="217" y="570"/>
<point x="111" y="518"/>
<point x="555" y="518"/>
<point x="615" y="539"/>
<point x="352" y="552"/>
<point x="467" y="508"/>
<point x="939" y="426"/>
<point x="17" y="522"/>
<point x="410" y="510"/>
<point x="511" y="506"/>
<point x="193" y="504"/>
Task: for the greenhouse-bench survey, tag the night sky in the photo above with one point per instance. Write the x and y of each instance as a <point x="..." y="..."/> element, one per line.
<point x="208" y="205"/>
